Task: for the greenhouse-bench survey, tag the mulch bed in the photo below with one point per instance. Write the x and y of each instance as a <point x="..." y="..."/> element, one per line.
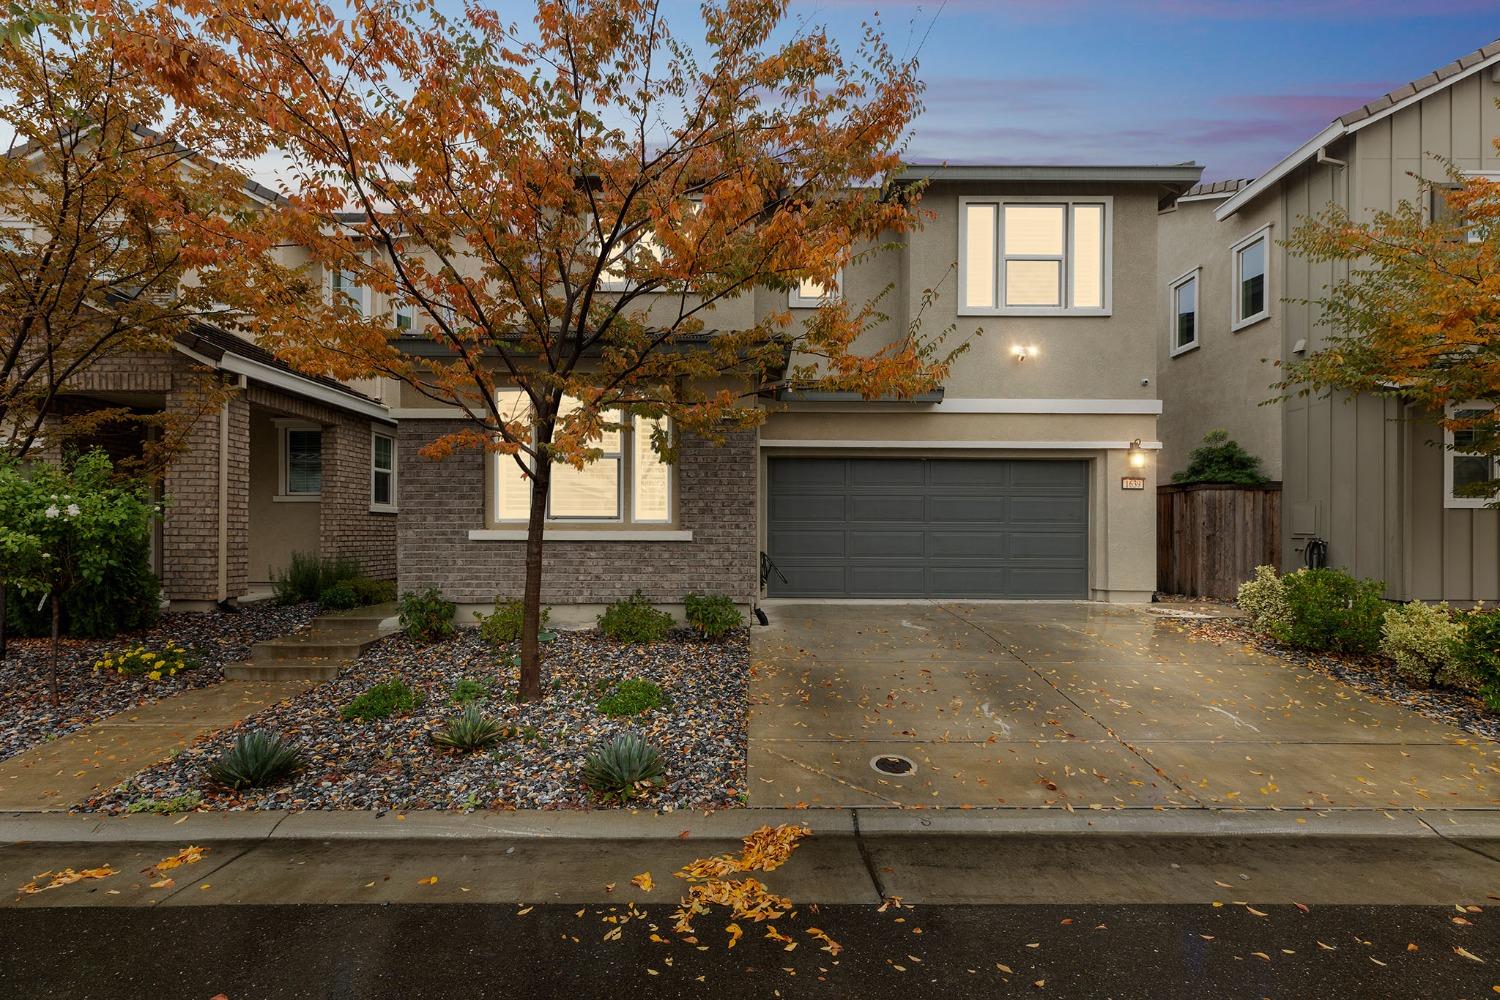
<point x="392" y="764"/>
<point x="28" y="718"/>
<point x="1374" y="675"/>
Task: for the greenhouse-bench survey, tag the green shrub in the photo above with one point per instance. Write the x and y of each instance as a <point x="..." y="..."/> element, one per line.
<point x="1479" y="653"/>
<point x="257" y="759"/>
<point x="339" y="597"/>
<point x="371" y="591"/>
<point x="625" y="767"/>
<point x="712" y="615"/>
<point x="309" y="575"/>
<point x="1330" y="611"/>
<point x="139" y="661"/>
<point x="1424" y="640"/>
<point x="504" y="624"/>
<point x="472" y="730"/>
<point x="388" y="698"/>
<point x="186" y="802"/>
<point x="468" y="691"/>
<point x="1220" y="459"/>
<point x="426" y="616"/>
<point x="1264" y="600"/>
<point x="82" y="532"/>
<point x="632" y="697"/>
<point x="635" y="620"/>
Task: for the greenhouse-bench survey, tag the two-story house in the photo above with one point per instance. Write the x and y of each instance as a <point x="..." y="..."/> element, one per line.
<point x="1373" y="477"/>
<point x="1029" y="475"/>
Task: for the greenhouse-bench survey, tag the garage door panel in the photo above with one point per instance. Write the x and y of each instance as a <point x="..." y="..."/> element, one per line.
<point x="808" y="543"/>
<point x="884" y="473"/>
<point x="803" y="507"/>
<point x="1048" y="510"/>
<point x="883" y="527"/>
<point x="887" y="579"/>
<point x="966" y="510"/>
<point x="899" y="508"/>
<point x="886" y="544"/>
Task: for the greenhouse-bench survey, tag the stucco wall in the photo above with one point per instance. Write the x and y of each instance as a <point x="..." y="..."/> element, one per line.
<point x="1224" y="380"/>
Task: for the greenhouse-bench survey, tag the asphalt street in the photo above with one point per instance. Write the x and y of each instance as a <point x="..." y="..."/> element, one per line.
<point x="458" y="951"/>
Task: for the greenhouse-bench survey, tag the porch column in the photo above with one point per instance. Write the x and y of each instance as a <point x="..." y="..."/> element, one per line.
<point x="205" y="551"/>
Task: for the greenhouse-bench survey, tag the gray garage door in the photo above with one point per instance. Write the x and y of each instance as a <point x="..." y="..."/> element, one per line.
<point x="897" y="527"/>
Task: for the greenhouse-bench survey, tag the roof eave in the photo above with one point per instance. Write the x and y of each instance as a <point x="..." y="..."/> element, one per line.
<point x="1170" y="174"/>
<point x="1272" y="177"/>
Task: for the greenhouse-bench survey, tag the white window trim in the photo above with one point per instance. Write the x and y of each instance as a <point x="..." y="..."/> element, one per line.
<point x="1451" y="502"/>
<point x="283" y="457"/>
<point x="1000" y="309"/>
<point x="365" y="299"/>
<point x="796" y="300"/>
<point x="1236" y="323"/>
<point x="624" y="498"/>
<point x="1195" y="275"/>
<point x="392" y="507"/>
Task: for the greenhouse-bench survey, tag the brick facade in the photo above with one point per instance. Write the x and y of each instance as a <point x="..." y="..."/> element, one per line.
<point x="441" y="501"/>
<point x="199" y="484"/>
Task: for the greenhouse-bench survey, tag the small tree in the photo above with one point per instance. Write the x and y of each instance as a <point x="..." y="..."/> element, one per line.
<point x="68" y="527"/>
<point x="102" y="221"/>
<point x="1219" y="459"/>
<point x="1418" y="315"/>
<point x="20" y="548"/>
<point x="562" y="209"/>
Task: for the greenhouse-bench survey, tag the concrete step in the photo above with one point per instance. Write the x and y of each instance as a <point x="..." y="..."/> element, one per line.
<point x="314" y="645"/>
<point x="377" y="618"/>
<point x="284" y="670"/>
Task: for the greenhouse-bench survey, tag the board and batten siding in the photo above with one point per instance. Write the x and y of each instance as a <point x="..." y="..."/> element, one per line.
<point x="1364" y="468"/>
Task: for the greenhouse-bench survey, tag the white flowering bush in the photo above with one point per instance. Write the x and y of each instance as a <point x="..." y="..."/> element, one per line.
<point x="1424" y="641"/>
<point x="1264" y="600"/>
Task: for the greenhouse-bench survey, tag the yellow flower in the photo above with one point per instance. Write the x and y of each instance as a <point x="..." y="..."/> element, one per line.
<point x="155" y="675"/>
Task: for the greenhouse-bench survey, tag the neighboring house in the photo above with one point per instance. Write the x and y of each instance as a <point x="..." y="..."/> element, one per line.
<point x="1009" y="482"/>
<point x="1370" y="476"/>
<point x="292" y="463"/>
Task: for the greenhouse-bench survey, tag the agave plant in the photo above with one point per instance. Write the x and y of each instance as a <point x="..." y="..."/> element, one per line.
<point x="256" y="759"/>
<point x="623" y="768"/>
<point x="473" y="730"/>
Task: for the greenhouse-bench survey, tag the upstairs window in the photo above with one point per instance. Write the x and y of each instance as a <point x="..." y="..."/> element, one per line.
<point x="401" y="318"/>
<point x="1184" y="312"/>
<point x="1034" y="256"/>
<point x="1252" y="270"/>
<point x="810" y="294"/>
<point x="1465" y="470"/>
<point x="346" y="284"/>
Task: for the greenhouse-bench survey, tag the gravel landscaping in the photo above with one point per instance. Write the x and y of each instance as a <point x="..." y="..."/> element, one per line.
<point x="28" y="718"/>
<point x="1374" y="675"/>
<point x="392" y="764"/>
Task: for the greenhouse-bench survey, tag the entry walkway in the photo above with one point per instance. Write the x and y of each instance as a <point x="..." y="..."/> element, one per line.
<point x="1075" y="706"/>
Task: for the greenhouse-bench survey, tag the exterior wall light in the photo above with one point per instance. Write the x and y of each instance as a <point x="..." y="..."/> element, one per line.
<point x="1137" y="455"/>
<point x="1022" y="353"/>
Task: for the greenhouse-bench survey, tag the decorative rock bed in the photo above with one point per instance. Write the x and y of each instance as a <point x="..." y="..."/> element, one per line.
<point x="392" y="764"/>
<point x="28" y="718"/>
<point x="1374" y="675"/>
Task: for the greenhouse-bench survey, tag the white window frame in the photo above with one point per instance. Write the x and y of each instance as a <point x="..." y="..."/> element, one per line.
<point x="362" y="301"/>
<point x="1451" y="502"/>
<point x="399" y="309"/>
<point x="796" y="300"/>
<point x="1106" y="306"/>
<point x="624" y="490"/>
<point x="375" y="506"/>
<point x="1236" y="321"/>
<point x="284" y="458"/>
<point x="1196" y="277"/>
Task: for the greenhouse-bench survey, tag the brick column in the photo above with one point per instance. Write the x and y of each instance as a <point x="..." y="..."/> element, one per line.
<point x="346" y="526"/>
<point x="205" y="554"/>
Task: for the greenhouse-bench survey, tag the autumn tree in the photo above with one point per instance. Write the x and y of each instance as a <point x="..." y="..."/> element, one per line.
<point x="100" y="221"/>
<point x="562" y="208"/>
<point x="1418" y="314"/>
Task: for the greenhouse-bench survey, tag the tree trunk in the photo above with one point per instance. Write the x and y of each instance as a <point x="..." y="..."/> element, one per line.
<point x="2" y="621"/>
<point x="531" y="617"/>
<point x="56" y="628"/>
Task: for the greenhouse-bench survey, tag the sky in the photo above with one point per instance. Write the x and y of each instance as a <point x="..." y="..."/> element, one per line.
<point x="1231" y="84"/>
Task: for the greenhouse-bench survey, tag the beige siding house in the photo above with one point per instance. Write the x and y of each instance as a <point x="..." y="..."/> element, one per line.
<point x="1370" y="476"/>
<point x="1029" y="475"/>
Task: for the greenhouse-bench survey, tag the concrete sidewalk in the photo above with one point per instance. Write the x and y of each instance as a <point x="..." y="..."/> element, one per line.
<point x="852" y="857"/>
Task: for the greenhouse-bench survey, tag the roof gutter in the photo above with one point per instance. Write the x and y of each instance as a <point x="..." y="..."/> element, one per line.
<point x="275" y="377"/>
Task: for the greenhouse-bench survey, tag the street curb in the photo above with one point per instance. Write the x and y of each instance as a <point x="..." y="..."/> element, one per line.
<point x="732" y="824"/>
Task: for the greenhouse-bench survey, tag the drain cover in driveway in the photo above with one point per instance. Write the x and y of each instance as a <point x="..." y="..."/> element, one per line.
<point x="893" y="764"/>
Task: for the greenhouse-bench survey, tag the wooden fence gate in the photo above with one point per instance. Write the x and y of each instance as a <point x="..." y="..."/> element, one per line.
<point x="1210" y="537"/>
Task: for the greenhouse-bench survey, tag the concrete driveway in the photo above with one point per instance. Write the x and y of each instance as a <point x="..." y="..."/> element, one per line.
<point x="1080" y="706"/>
